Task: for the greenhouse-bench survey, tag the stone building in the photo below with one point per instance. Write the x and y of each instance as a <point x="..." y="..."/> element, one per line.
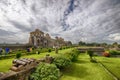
<point x="40" y="39"/>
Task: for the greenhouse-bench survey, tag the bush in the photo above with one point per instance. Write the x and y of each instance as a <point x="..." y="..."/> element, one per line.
<point x="61" y="61"/>
<point x="90" y="53"/>
<point x="38" y="52"/>
<point x="73" y="56"/>
<point x="106" y="54"/>
<point x="114" y="52"/>
<point x="45" y="71"/>
<point x="49" y="50"/>
<point x="18" y="55"/>
<point x="7" y="56"/>
<point x="42" y="50"/>
<point x="60" y="48"/>
<point x="32" y="52"/>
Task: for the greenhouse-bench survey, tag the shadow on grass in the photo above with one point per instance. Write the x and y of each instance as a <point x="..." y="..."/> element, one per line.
<point x="81" y="61"/>
<point x="76" y="70"/>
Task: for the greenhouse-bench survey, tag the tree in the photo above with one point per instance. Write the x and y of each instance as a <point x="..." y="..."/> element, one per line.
<point x="115" y="44"/>
<point x="81" y="43"/>
<point x="104" y="44"/>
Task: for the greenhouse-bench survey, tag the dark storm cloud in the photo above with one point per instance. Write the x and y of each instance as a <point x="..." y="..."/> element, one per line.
<point x="21" y="26"/>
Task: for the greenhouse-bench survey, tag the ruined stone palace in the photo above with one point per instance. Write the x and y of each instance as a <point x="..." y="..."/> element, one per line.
<point x="40" y="39"/>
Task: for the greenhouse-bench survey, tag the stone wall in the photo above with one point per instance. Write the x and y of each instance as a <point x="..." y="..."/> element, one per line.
<point x="22" y="75"/>
<point x="25" y="72"/>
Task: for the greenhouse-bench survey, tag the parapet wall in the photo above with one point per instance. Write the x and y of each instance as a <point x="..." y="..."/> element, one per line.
<point x="22" y="68"/>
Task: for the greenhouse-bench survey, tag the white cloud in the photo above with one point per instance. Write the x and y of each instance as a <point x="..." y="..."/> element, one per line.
<point x="90" y="20"/>
<point x="114" y="37"/>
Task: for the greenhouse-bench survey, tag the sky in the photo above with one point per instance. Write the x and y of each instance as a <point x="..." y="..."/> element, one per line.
<point x="74" y="20"/>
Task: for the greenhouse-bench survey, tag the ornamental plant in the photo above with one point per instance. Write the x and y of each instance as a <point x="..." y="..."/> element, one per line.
<point x="49" y="50"/>
<point x="114" y="52"/>
<point x="90" y="53"/>
<point x="106" y="54"/>
<point x="18" y="55"/>
<point x="61" y="61"/>
<point x="73" y="55"/>
<point x="45" y="71"/>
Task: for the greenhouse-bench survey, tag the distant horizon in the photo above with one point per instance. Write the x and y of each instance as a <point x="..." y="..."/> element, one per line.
<point x="72" y="43"/>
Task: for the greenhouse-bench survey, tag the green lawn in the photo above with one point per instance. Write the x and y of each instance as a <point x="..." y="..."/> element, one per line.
<point x="83" y="69"/>
<point x="112" y="64"/>
<point x="5" y="64"/>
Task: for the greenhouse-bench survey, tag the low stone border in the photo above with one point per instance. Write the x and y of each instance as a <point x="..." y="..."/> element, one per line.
<point x="24" y="72"/>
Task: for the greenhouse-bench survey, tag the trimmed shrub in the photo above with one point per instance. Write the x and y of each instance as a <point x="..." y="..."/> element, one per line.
<point x="18" y="55"/>
<point x="45" y="71"/>
<point x="60" y="48"/>
<point x="106" y="54"/>
<point x="44" y="50"/>
<point x="32" y="52"/>
<point x="49" y="50"/>
<point x="73" y="55"/>
<point x="38" y="52"/>
<point x="56" y="50"/>
<point x="61" y="61"/>
<point x="114" y="52"/>
<point x="7" y="56"/>
<point x="90" y="53"/>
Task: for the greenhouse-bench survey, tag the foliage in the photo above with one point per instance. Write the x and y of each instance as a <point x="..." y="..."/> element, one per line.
<point x="56" y="50"/>
<point x="90" y="53"/>
<point x="114" y="52"/>
<point x="38" y="52"/>
<point x="61" y="61"/>
<point x="49" y="50"/>
<point x="73" y="55"/>
<point x="18" y="55"/>
<point x="32" y="52"/>
<point x="60" y="48"/>
<point x="81" y="43"/>
<point x="44" y="50"/>
<point x="106" y="54"/>
<point x="115" y="44"/>
<point x="45" y="71"/>
<point x="7" y="56"/>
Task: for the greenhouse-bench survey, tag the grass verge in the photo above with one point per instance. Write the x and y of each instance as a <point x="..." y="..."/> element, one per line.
<point x="83" y="69"/>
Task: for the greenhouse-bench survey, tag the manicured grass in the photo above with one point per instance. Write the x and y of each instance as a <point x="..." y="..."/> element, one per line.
<point x="5" y="64"/>
<point x="112" y="64"/>
<point x="83" y="69"/>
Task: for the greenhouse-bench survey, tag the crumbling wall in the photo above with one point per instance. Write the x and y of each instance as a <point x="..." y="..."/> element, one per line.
<point x="18" y="73"/>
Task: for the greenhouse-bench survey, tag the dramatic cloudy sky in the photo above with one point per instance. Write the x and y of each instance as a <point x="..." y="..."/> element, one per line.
<point x="75" y="20"/>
